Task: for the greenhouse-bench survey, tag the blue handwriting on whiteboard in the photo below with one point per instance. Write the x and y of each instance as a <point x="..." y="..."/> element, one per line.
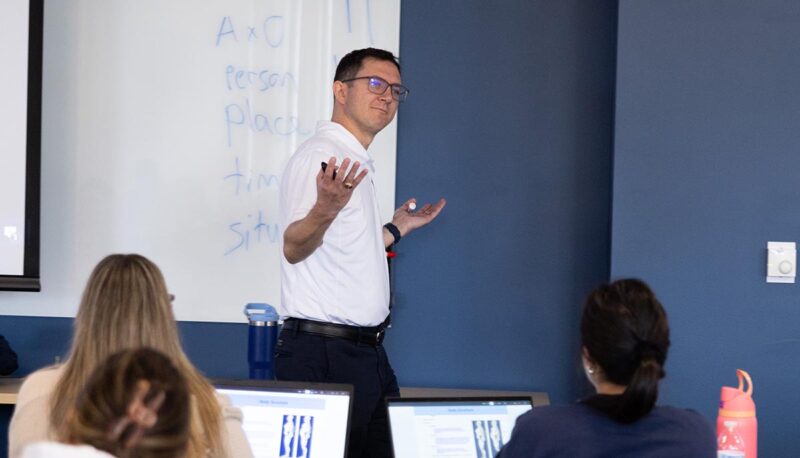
<point x="237" y="114"/>
<point x="271" y="31"/>
<point x="251" y="232"/>
<point x="261" y="80"/>
<point x="241" y="181"/>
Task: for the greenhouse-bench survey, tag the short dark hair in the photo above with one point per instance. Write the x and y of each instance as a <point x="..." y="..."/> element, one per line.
<point x="624" y="329"/>
<point x="352" y="62"/>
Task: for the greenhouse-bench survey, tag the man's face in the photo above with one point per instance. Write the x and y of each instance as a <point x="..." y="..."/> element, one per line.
<point x="368" y="111"/>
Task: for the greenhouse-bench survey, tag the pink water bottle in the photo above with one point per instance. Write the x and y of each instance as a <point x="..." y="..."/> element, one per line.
<point x="737" y="429"/>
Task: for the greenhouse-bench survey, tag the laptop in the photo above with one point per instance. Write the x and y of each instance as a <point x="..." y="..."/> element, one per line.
<point x="475" y="427"/>
<point x="292" y="419"/>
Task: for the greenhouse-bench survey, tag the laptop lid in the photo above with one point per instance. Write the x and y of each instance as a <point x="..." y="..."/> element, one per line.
<point x="443" y="427"/>
<point x="292" y="419"/>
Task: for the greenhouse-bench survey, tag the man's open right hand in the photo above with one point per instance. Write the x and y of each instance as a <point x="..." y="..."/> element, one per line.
<point x="333" y="193"/>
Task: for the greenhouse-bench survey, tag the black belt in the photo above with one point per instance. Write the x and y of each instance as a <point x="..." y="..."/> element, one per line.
<point x="366" y="335"/>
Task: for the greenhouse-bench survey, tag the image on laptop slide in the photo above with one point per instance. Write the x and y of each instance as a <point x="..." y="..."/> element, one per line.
<point x="453" y="427"/>
<point x="292" y="419"/>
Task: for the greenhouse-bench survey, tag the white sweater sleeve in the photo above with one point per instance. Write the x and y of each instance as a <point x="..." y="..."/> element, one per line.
<point x="236" y="444"/>
<point x="31" y="419"/>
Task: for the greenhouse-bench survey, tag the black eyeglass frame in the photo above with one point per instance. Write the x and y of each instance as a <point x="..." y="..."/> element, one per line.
<point x="400" y="96"/>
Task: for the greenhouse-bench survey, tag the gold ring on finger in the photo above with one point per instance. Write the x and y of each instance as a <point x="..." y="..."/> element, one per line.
<point x="348" y="185"/>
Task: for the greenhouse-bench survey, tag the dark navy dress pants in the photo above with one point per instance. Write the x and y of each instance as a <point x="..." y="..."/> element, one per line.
<point x="315" y="358"/>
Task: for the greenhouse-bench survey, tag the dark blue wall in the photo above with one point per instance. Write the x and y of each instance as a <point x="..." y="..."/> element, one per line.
<point x="705" y="173"/>
<point x="510" y="119"/>
<point x="219" y="350"/>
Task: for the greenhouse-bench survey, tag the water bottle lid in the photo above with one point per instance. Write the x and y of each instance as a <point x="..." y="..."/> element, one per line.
<point x="737" y="399"/>
<point x="260" y="312"/>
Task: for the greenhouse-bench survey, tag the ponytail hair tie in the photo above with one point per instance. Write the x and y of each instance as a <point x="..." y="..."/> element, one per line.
<point x="139" y="417"/>
<point x="647" y="350"/>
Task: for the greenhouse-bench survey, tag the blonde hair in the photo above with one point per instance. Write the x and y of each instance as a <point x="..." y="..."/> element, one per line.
<point x="105" y="413"/>
<point x="126" y="305"/>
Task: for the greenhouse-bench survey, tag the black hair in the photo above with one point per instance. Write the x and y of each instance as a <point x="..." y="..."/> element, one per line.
<point x="625" y="331"/>
<point x="352" y="62"/>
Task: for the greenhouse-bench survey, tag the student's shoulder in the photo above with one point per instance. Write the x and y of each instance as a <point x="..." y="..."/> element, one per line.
<point x="549" y="418"/>
<point x="45" y="376"/>
<point x="229" y="411"/>
<point x="540" y="430"/>
<point x="51" y="449"/>
<point x="39" y="383"/>
<point x="688" y="424"/>
<point x="688" y="417"/>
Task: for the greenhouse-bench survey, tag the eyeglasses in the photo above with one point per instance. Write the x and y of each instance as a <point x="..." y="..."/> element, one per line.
<point x="378" y="85"/>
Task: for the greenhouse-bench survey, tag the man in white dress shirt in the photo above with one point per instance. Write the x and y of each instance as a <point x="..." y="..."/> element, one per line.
<point x="334" y="272"/>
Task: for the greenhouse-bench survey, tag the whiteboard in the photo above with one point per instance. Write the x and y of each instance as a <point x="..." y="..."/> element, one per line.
<point x="166" y="126"/>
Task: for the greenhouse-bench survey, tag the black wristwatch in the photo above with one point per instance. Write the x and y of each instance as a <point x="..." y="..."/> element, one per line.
<point x="394" y="231"/>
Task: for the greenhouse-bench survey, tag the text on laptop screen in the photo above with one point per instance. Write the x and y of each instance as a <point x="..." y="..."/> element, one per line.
<point x="453" y="428"/>
<point x="292" y="424"/>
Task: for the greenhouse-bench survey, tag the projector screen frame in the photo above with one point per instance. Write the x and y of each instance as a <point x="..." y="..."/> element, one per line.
<point x="30" y="279"/>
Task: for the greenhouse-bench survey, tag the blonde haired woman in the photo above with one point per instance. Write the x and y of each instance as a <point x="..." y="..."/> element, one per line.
<point x="125" y="305"/>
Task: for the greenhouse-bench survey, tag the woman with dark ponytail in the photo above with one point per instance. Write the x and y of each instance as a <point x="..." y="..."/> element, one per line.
<point x="625" y="339"/>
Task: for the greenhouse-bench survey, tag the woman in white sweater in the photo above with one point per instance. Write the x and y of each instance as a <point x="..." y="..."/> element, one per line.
<point x="125" y="305"/>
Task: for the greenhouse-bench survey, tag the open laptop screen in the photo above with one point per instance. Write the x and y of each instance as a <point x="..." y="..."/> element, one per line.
<point x="453" y="427"/>
<point x="292" y="419"/>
